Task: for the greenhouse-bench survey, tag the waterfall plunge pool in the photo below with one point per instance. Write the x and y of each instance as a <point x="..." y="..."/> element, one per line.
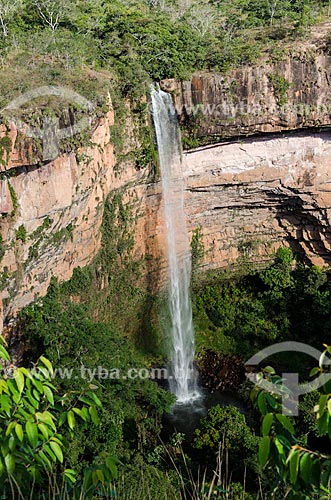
<point x="185" y="417"/>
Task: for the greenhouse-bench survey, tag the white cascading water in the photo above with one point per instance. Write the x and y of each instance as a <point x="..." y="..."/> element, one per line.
<point x="183" y="377"/>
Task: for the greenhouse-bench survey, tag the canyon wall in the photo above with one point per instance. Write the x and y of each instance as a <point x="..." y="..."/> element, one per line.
<point x="248" y="195"/>
<point x="251" y="196"/>
<point x="286" y="90"/>
<point x="51" y="212"/>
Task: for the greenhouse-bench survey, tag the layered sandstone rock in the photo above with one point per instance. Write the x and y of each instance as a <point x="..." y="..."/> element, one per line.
<point x="249" y="197"/>
<point x="288" y="91"/>
<point x="50" y="223"/>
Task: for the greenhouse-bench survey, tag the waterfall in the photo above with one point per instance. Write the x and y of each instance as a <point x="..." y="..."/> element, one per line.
<point x="182" y="374"/>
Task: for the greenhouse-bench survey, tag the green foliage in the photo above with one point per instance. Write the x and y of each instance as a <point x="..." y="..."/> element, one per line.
<point x="33" y="418"/>
<point x="224" y="431"/>
<point x="14" y="199"/>
<point x="5" y="148"/>
<point x="2" y="248"/>
<point x="302" y="473"/>
<point x="280" y="87"/>
<point x="239" y="313"/>
<point x="21" y="234"/>
<point x="197" y="248"/>
<point x="278" y="277"/>
<point x="132" y="408"/>
<point x="137" y="41"/>
<point x="143" y="481"/>
<point x="227" y="426"/>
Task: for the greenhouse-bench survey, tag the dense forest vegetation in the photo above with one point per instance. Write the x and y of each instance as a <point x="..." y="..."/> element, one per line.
<point x="91" y="437"/>
<point x="88" y="435"/>
<point x="136" y="41"/>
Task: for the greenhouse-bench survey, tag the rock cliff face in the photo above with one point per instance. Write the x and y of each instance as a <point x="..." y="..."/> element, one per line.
<point x="51" y="213"/>
<point x="248" y="195"/>
<point x="287" y="91"/>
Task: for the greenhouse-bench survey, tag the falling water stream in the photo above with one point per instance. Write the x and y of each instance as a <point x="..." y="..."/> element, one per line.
<point x="182" y="379"/>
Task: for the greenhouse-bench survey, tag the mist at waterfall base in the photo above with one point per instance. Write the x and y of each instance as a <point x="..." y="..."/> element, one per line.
<point x="183" y="375"/>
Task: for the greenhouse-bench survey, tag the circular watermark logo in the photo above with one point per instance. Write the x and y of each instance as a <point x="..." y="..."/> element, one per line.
<point x="50" y="132"/>
<point x="290" y="381"/>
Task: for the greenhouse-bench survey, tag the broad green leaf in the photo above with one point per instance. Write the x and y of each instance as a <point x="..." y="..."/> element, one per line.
<point x="12" y="443"/>
<point x="305" y="467"/>
<point x="71" y="419"/>
<point x="314" y="371"/>
<point x="79" y="412"/>
<point x="285" y="422"/>
<point x="87" y="479"/>
<point x="19" y="379"/>
<point x="42" y="374"/>
<point x="323" y="423"/>
<point x="94" y="415"/>
<point x="95" y="398"/>
<point x="4" y="354"/>
<point x="57" y="439"/>
<point x="95" y="478"/>
<point x="100" y="475"/>
<point x="279" y="447"/>
<point x="269" y="369"/>
<point x="22" y="414"/>
<point x="262" y="403"/>
<point x="62" y="419"/>
<point x="52" y="386"/>
<point x="38" y="385"/>
<point x="272" y="402"/>
<point x="329" y="406"/>
<point x="31" y="409"/>
<point x="47" y="418"/>
<point x="294" y="466"/>
<point x="10" y="427"/>
<point x="14" y="390"/>
<point x="316" y="473"/>
<point x="50" y="452"/>
<point x="48" y="364"/>
<point x="19" y="432"/>
<point x="32" y="433"/>
<point x="44" y="430"/>
<point x="322" y="404"/>
<point x="36" y="394"/>
<point x="6" y="404"/>
<point x="266" y="424"/>
<point x="85" y="414"/>
<point x="44" y="459"/>
<point x="57" y="450"/>
<point x="70" y="475"/>
<point x="10" y="463"/>
<point x="86" y="400"/>
<point x="110" y="462"/>
<point x="26" y="372"/>
<point x="49" y="395"/>
<point x="3" y="387"/>
<point x="4" y="448"/>
<point x="264" y="449"/>
<point x="31" y="399"/>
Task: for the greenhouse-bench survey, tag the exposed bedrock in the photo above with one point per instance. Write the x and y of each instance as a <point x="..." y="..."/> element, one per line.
<point x="248" y="195"/>
<point x="251" y="196"/>
<point x="286" y="91"/>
